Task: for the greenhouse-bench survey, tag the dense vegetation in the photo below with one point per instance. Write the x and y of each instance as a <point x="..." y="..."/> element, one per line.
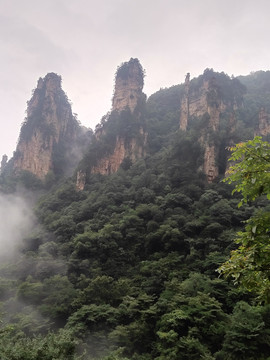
<point x="127" y="268"/>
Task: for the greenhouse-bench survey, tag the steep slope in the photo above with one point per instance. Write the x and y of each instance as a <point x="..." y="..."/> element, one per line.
<point x="208" y="100"/>
<point x="263" y="123"/>
<point x="128" y="86"/>
<point x="257" y="101"/>
<point x="49" y="132"/>
<point x="121" y="136"/>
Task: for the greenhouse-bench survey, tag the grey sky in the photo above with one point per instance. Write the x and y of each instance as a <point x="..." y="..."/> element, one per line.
<point x="85" y="40"/>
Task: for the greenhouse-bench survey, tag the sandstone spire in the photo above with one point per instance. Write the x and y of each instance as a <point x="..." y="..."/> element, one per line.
<point x="128" y="97"/>
<point x="48" y="128"/>
<point x="128" y="86"/>
<point x="120" y="136"/>
<point x="185" y="105"/>
<point x="204" y="101"/>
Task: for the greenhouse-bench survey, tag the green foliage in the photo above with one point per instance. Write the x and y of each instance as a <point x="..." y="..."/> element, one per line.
<point x="125" y="126"/>
<point x="92" y="318"/>
<point x="221" y="87"/>
<point x="249" y="264"/>
<point x="258" y="92"/>
<point x="245" y="335"/>
<point x="251" y="172"/>
<point x="162" y="117"/>
<point x="29" y="180"/>
<point x="37" y="118"/>
<point x="14" y="345"/>
<point x="124" y="70"/>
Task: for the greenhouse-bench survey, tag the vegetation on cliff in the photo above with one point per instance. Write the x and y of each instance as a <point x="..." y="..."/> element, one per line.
<point x="51" y="139"/>
<point x="125" y="70"/>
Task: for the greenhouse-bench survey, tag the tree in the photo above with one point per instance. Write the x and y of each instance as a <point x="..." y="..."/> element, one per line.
<point x="245" y="335"/>
<point x="249" y="265"/>
<point x="14" y="345"/>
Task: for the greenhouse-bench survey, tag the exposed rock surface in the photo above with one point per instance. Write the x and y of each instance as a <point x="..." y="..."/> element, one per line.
<point x="128" y="86"/>
<point x="209" y="166"/>
<point x="49" y="124"/>
<point x="197" y="103"/>
<point x="128" y="95"/>
<point x="263" y="123"/>
<point x="205" y="103"/>
<point x="123" y="150"/>
<point x="185" y="105"/>
<point x="80" y="182"/>
<point x="123" y="127"/>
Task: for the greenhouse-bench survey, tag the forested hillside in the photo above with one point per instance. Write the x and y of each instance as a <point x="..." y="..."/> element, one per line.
<point x="126" y="268"/>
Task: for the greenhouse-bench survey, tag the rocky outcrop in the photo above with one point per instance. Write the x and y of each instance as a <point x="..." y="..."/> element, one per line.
<point x="80" y="181"/>
<point x="195" y="104"/>
<point x="209" y="165"/>
<point x="122" y="130"/>
<point x="185" y="104"/>
<point x="110" y="164"/>
<point x="123" y="149"/>
<point x="49" y="129"/>
<point x="201" y="101"/>
<point x="3" y="163"/>
<point x="204" y="102"/>
<point x="128" y="86"/>
<point x="263" y="123"/>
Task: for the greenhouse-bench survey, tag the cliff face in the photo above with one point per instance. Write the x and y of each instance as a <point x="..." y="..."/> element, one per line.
<point x="128" y="86"/>
<point x="120" y="135"/>
<point x="48" y="128"/>
<point x="123" y="150"/>
<point x="200" y="101"/>
<point x="185" y="105"/>
<point x="263" y="123"/>
<point x="204" y="101"/>
<point x="128" y="97"/>
<point x="209" y="165"/>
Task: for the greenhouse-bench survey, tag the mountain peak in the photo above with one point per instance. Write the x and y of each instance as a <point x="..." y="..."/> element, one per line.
<point x="49" y="124"/>
<point x="51" y="81"/>
<point x="128" y="85"/>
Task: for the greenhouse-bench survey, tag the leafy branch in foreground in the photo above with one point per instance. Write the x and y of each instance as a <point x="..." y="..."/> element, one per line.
<point x="249" y="265"/>
<point x="250" y="169"/>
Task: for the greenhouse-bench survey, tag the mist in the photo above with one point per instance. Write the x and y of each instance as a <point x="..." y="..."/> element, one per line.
<point x="16" y="220"/>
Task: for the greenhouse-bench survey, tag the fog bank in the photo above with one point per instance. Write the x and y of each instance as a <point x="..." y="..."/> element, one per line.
<point x="16" y="220"/>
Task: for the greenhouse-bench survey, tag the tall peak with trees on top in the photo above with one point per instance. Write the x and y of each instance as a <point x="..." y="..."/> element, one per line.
<point x="49" y="131"/>
<point x="129" y="81"/>
<point x="207" y="100"/>
<point x="121" y="135"/>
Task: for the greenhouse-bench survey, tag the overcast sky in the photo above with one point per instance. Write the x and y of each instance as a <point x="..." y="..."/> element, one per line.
<point x="85" y="40"/>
